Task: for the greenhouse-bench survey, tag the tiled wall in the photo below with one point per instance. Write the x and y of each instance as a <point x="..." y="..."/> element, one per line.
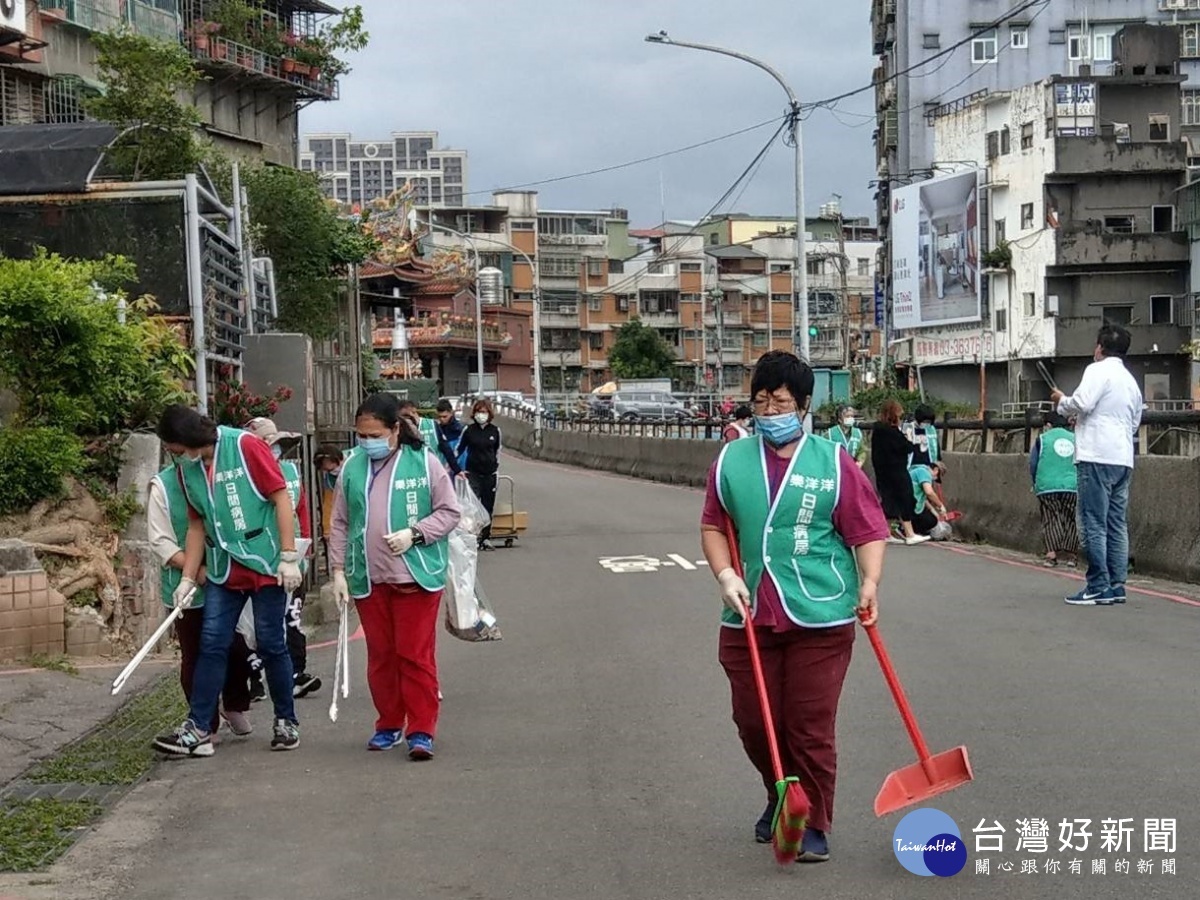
<point x="31" y="616"/>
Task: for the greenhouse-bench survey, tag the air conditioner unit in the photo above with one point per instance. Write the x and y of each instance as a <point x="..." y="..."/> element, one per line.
<point x="1172" y="4"/>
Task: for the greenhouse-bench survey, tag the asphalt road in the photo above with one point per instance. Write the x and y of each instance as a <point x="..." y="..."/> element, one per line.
<point x="591" y="753"/>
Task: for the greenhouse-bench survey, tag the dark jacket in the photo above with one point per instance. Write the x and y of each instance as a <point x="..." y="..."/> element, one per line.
<point x="448" y="437"/>
<point x="890" y="450"/>
<point x="482" y="446"/>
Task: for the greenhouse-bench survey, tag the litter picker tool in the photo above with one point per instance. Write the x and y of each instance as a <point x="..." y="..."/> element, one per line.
<point x="930" y="775"/>
<point x="791" y="803"/>
<point x="151" y="642"/>
<point x="341" y="667"/>
<point x="1046" y="375"/>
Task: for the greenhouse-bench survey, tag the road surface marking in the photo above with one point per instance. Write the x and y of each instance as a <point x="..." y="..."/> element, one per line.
<point x="683" y="563"/>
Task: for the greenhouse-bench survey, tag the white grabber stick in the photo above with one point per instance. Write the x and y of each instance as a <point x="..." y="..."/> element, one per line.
<point x="151" y="642"/>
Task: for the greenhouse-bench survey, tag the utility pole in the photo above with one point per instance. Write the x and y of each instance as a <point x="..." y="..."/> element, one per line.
<point x="844" y="300"/>
<point x="718" y="299"/>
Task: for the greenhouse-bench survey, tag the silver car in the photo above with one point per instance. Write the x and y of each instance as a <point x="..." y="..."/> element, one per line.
<point x="647" y="405"/>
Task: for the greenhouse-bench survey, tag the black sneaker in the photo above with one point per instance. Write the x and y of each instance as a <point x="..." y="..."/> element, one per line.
<point x="762" y="828"/>
<point x="286" y="735"/>
<point x="305" y="684"/>
<point x="1117" y="592"/>
<point x="814" y="847"/>
<point x="186" y="740"/>
<point x="258" y="690"/>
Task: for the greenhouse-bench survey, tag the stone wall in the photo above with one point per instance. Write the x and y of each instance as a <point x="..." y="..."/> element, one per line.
<point x="992" y="490"/>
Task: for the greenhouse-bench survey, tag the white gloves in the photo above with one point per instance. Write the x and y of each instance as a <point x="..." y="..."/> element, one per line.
<point x="400" y="541"/>
<point x="288" y="575"/>
<point x="734" y="593"/>
<point x="184" y="595"/>
<point x="341" y="590"/>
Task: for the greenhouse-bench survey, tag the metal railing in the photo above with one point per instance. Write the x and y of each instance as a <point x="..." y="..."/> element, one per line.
<point x="141" y="17"/>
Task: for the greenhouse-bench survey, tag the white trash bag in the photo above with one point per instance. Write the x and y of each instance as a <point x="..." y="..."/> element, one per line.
<point x="245" y="626"/>
<point x="474" y="517"/>
<point x="468" y="615"/>
<point x="941" y="531"/>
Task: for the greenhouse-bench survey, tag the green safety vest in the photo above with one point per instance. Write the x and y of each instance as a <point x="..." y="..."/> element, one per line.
<point x="791" y="540"/>
<point x="429" y="436"/>
<point x="935" y="451"/>
<point x="1056" y="463"/>
<point x="852" y="442"/>
<point x="239" y="522"/>
<point x="411" y="501"/>
<point x="177" y="509"/>
<point x="918" y="484"/>
<point x="291" y="476"/>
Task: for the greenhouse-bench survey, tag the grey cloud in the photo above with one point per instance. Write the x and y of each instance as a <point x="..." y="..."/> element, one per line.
<point x="535" y="89"/>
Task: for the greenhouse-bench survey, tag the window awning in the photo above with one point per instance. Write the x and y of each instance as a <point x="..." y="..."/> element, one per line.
<point x="51" y="159"/>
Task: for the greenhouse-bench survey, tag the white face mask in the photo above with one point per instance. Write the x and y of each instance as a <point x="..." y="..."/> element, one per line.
<point x="848" y="421"/>
<point x="481" y="418"/>
<point x="277" y="451"/>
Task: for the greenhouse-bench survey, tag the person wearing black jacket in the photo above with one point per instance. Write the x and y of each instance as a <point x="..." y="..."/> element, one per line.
<point x="481" y="444"/>
<point x="449" y="433"/>
<point x="890" y="452"/>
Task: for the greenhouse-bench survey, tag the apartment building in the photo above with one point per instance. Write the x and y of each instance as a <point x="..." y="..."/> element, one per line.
<point x="355" y="171"/>
<point x="1075" y="200"/>
<point x="248" y="101"/>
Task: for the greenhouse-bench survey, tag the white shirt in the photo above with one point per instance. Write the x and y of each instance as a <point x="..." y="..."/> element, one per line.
<point x="162" y="532"/>
<point x="1108" y="405"/>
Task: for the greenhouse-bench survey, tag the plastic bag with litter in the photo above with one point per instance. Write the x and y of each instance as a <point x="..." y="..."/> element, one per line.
<point x="468" y="615"/>
<point x="474" y="517"/>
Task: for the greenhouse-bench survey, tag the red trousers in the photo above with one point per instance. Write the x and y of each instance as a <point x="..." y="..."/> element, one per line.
<point x="804" y="669"/>
<point x="235" y="695"/>
<point x="400" y="624"/>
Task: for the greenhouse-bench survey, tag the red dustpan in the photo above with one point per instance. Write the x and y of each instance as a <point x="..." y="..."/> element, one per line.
<point x="930" y="775"/>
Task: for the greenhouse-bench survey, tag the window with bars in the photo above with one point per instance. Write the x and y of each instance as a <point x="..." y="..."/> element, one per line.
<point x="560" y="266"/>
<point x="1191" y="107"/>
<point x="22" y="99"/>
<point x="64" y="99"/>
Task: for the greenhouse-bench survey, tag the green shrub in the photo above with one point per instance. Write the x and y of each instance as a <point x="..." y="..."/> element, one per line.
<point x="33" y="464"/>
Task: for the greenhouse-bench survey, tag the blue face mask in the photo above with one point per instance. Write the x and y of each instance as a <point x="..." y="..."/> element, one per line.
<point x="780" y="430"/>
<point x="277" y="451"/>
<point x="375" y="448"/>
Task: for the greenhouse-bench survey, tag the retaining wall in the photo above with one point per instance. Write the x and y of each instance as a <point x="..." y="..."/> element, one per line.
<point x="991" y="489"/>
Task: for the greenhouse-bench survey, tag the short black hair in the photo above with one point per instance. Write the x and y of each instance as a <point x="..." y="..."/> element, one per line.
<point x="386" y="408"/>
<point x="1113" y="340"/>
<point x="181" y="424"/>
<point x="924" y="413"/>
<point x="743" y="412"/>
<point x="1055" y="420"/>
<point x="328" y="452"/>
<point x="405" y="405"/>
<point x="778" y="368"/>
<point x="445" y="406"/>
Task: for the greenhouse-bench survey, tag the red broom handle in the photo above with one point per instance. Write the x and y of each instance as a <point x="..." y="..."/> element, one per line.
<point x="760" y="680"/>
<point x="893" y="683"/>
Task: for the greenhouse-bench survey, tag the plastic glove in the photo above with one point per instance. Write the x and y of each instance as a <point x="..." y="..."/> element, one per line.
<point x="400" y="541"/>
<point x="341" y="590"/>
<point x="184" y="595"/>
<point x="734" y="593"/>
<point x="288" y="574"/>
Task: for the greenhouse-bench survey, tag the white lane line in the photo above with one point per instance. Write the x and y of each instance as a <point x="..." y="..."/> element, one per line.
<point x="683" y="563"/>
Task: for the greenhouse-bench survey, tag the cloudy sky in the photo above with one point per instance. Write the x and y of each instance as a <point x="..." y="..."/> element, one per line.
<point x="534" y="89"/>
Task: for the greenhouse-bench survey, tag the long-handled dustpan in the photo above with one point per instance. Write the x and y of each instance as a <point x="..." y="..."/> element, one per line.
<point x="930" y="775"/>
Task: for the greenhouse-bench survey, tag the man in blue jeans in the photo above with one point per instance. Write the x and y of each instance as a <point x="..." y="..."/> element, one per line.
<point x="1108" y="408"/>
<point x="242" y="531"/>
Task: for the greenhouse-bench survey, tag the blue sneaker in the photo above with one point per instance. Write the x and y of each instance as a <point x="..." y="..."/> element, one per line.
<point x="762" y="828"/>
<point x="420" y="746"/>
<point x="1117" y="592"/>
<point x="1090" y="598"/>
<point x="385" y="739"/>
<point x="814" y="847"/>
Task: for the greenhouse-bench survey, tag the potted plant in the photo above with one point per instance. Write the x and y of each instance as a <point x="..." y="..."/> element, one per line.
<point x="201" y="35"/>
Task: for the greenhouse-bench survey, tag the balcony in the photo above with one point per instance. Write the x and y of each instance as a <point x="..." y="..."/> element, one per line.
<point x="444" y="332"/>
<point x="1076" y="336"/>
<point x="729" y="355"/>
<point x="106" y="15"/>
<point x="230" y="58"/>
<point x="554" y="358"/>
<point x="1095" y="247"/>
<point x="667" y="319"/>
<point x="560" y="315"/>
<point x="1091" y="156"/>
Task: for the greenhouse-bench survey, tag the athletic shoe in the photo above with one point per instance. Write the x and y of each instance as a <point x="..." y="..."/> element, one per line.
<point x="1117" y="592"/>
<point x="305" y="684"/>
<point x="286" y="735"/>
<point x="258" y="690"/>
<point x="385" y="739"/>
<point x="238" y="722"/>
<point x="916" y="539"/>
<point x="1050" y="563"/>
<point x="814" y="846"/>
<point x="762" y="828"/>
<point x="420" y="746"/>
<point x="186" y="740"/>
<point x="892" y="539"/>
<point x="1090" y="598"/>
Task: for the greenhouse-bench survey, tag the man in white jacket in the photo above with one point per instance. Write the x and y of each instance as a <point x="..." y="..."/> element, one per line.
<point x="1108" y="407"/>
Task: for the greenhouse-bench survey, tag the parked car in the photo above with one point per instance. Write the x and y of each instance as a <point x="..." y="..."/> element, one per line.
<point x="647" y="405"/>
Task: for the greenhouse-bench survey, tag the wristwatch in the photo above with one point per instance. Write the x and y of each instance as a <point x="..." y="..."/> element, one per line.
<point x="418" y="538"/>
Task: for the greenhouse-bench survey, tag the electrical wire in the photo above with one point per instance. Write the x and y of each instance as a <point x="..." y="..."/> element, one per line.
<point x="634" y="162"/>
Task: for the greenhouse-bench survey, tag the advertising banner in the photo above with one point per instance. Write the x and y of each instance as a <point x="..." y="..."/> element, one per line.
<point x="935" y="260"/>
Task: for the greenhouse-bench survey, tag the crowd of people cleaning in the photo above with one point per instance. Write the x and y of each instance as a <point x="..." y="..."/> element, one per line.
<point x="229" y="523"/>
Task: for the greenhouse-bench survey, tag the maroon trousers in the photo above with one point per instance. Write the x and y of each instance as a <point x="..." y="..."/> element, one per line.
<point x="235" y="696"/>
<point x="804" y="669"/>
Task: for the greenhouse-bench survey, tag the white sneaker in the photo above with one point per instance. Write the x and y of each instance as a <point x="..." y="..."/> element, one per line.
<point x="892" y="539"/>
<point x="238" y="722"/>
<point x="916" y="539"/>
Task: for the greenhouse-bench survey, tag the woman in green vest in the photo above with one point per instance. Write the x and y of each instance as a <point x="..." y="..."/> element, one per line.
<point x="242" y="529"/>
<point x="846" y="433"/>
<point x="1052" y="468"/>
<point x="811" y="535"/>
<point x="393" y="509"/>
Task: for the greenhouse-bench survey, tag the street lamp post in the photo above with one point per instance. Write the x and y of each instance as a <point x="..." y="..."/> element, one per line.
<point x="431" y="225"/>
<point x="799" y="263"/>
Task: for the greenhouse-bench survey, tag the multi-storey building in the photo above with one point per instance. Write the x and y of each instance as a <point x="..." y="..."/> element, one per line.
<point x="249" y="101"/>
<point x="358" y="171"/>
<point x="1078" y="184"/>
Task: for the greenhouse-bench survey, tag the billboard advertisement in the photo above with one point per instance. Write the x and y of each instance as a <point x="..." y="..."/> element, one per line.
<point x="935" y="256"/>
